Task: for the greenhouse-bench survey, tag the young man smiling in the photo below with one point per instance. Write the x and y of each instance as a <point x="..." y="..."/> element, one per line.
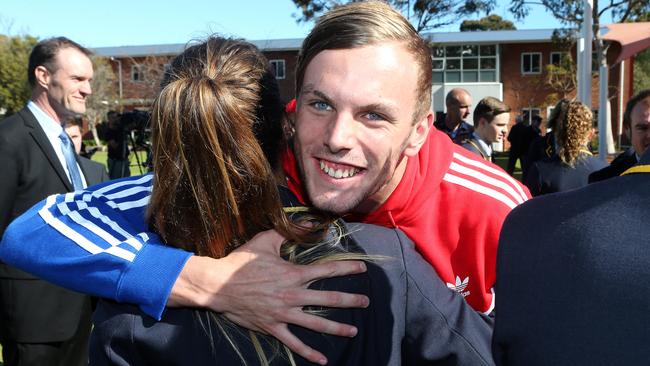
<point x="364" y="148"/>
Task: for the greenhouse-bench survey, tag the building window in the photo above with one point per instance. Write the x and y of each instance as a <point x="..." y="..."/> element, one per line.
<point x="531" y="63"/>
<point x="558" y="58"/>
<point x="465" y="64"/>
<point x="528" y="113"/>
<point x="137" y="73"/>
<point x="278" y="68"/>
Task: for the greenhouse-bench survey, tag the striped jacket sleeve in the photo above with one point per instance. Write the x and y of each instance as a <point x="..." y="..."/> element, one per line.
<point x="96" y="241"/>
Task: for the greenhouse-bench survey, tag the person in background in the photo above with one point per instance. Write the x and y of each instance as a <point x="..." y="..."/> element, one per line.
<point x="572" y="162"/>
<point x="459" y="104"/>
<point x="573" y="277"/>
<point x="491" y="118"/>
<point x="94" y="171"/>
<point x="118" y="146"/>
<point x="521" y="137"/>
<point x="636" y="121"/>
<point x="43" y="324"/>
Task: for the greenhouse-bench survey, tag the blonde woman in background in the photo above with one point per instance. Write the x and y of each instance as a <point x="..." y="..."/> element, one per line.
<point x="572" y="162"/>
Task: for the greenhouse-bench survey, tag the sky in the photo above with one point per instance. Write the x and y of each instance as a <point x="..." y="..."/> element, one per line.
<point x="145" y="22"/>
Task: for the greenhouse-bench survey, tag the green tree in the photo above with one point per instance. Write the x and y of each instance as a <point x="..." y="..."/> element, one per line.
<point x="423" y="14"/>
<point x="642" y="62"/>
<point x="14" y="55"/>
<point x="489" y="23"/>
<point x="570" y="13"/>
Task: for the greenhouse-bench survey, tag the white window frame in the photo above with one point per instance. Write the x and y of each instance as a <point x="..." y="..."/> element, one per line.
<point x="445" y="61"/>
<point x="137" y="70"/>
<point x="279" y="64"/>
<point x="558" y="54"/>
<point x="524" y="54"/>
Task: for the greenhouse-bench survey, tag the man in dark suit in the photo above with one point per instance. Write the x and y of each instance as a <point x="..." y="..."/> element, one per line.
<point x="94" y="171"/>
<point x="636" y="121"/>
<point x="41" y="324"/>
<point x="520" y="137"/>
<point x="574" y="287"/>
<point x="491" y="118"/>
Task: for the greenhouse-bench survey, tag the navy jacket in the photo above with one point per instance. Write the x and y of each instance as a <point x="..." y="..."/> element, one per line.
<point x="621" y="163"/>
<point x="551" y="175"/>
<point x="574" y="287"/>
<point x="413" y="319"/>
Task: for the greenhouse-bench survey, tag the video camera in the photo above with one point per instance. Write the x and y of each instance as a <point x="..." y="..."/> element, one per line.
<point x="135" y="124"/>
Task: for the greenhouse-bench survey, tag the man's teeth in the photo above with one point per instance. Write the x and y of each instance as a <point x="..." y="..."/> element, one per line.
<point x="338" y="173"/>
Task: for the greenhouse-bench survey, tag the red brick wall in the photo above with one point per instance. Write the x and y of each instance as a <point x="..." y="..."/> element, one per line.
<point x="522" y="91"/>
<point x="287" y="84"/>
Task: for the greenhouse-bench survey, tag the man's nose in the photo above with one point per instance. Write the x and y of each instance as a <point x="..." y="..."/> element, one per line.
<point x="340" y="133"/>
<point x="86" y="89"/>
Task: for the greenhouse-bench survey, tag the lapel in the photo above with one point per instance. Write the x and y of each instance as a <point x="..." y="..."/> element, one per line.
<point x="84" y="170"/>
<point x="44" y="144"/>
<point x="480" y="149"/>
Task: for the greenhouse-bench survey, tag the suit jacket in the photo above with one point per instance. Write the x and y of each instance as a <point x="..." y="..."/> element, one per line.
<point x="520" y="138"/>
<point x="32" y="310"/>
<point x="93" y="171"/>
<point x="550" y="175"/>
<point x="472" y="144"/>
<point x="413" y="319"/>
<point x="621" y="163"/>
<point x="541" y="147"/>
<point x="574" y="287"/>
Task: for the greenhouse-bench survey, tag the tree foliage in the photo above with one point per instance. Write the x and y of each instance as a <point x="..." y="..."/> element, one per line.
<point x="423" y="14"/>
<point x="14" y="88"/>
<point x="642" y="71"/>
<point x="569" y="12"/>
<point x="489" y="23"/>
<point x="104" y="96"/>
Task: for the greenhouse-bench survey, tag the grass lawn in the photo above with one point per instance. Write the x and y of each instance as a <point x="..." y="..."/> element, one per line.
<point x="501" y="159"/>
<point x="102" y="156"/>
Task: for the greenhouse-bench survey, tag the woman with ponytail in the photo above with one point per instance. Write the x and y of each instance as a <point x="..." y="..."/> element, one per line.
<point x="216" y="136"/>
<point x="569" y="167"/>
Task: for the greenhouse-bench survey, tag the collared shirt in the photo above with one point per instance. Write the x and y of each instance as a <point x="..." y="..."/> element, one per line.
<point x="52" y="130"/>
<point x="487" y="148"/>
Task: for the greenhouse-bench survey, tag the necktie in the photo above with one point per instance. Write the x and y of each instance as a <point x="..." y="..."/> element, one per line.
<point x="70" y="161"/>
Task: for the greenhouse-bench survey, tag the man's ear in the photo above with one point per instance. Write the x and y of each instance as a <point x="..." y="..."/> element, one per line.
<point x="419" y="134"/>
<point x="42" y="75"/>
<point x="628" y="132"/>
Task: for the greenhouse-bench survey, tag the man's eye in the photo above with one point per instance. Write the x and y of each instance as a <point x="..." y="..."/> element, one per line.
<point x="374" y="116"/>
<point x="321" y="106"/>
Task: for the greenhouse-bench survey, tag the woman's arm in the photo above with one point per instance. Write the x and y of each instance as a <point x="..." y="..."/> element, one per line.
<point x="96" y="241"/>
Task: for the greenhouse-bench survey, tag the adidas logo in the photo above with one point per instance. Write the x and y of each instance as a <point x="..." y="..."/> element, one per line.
<point x="460" y="286"/>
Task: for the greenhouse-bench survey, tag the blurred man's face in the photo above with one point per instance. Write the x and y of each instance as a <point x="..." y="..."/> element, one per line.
<point x="74" y="132"/>
<point x="354" y="125"/>
<point x="69" y="85"/>
<point x="640" y="126"/>
<point x="460" y="110"/>
<point x="496" y="130"/>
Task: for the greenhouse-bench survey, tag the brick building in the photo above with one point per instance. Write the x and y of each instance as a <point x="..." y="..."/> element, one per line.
<point x="509" y="65"/>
